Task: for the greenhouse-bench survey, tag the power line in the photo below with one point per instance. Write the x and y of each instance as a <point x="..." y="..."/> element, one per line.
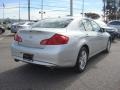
<point x="48" y="7"/>
<point x="52" y="6"/>
<point x="20" y="7"/>
<point x="57" y="10"/>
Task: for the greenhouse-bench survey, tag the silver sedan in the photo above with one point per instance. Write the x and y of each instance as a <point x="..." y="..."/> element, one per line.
<point x="20" y="25"/>
<point x="60" y="42"/>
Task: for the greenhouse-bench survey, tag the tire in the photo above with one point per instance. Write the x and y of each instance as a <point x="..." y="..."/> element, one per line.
<point x="107" y="50"/>
<point x="82" y="60"/>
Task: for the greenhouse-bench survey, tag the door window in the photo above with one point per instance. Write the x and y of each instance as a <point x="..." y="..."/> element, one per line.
<point x="95" y="26"/>
<point x="87" y="25"/>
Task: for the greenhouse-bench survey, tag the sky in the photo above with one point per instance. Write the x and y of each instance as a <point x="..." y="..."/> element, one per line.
<point x="52" y="8"/>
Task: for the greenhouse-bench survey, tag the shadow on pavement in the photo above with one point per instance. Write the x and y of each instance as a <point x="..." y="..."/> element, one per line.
<point x="32" y="77"/>
<point x="94" y="60"/>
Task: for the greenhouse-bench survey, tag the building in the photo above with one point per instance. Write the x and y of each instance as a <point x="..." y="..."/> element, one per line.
<point x="113" y="5"/>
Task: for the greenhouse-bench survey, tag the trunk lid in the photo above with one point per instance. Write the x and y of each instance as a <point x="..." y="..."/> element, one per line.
<point x="33" y="37"/>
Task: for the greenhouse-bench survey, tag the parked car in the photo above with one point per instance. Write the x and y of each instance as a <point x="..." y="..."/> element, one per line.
<point x="111" y="30"/>
<point x="115" y="24"/>
<point x="20" y="25"/>
<point x="60" y="42"/>
<point x="2" y="29"/>
<point x="8" y="26"/>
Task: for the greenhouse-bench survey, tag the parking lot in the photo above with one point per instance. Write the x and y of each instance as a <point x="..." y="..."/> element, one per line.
<point x="102" y="72"/>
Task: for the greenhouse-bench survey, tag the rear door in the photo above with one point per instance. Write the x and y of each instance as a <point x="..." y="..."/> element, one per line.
<point x="91" y="36"/>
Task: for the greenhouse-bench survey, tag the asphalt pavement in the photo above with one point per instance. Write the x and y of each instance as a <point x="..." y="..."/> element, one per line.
<point x="102" y="72"/>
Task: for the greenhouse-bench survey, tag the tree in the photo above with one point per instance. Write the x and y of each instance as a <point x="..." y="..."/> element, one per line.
<point x="110" y="9"/>
<point x="92" y="15"/>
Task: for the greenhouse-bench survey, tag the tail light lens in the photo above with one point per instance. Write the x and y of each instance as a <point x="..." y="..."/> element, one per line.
<point x="56" y="39"/>
<point x="17" y="38"/>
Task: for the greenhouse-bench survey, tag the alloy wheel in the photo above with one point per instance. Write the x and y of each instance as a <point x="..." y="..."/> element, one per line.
<point x="82" y="60"/>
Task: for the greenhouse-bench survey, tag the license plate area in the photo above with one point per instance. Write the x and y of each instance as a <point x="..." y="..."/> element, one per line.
<point x="28" y="57"/>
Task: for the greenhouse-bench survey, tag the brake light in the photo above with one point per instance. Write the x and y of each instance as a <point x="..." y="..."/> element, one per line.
<point x="17" y="38"/>
<point x="56" y="39"/>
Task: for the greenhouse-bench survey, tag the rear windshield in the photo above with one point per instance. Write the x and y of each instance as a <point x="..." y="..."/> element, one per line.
<point x="21" y="23"/>
<point x="53" y="23"/>
<point x="115" y="23"/>
<point x="31" y="23"/>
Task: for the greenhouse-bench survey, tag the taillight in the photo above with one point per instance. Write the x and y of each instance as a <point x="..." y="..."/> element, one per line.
<point x="56" y="39"/>
<point x="17" y="38"/>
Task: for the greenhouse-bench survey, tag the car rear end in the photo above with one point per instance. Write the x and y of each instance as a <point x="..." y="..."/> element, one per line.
<point x="17" y="26"/>
<point x="115" y="24"/>
<point x="112" y="32"/>
<point x="14" y="28"/>
<point x="43" y="47"/>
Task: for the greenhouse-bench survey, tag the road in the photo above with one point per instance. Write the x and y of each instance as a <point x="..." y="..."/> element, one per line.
<point x="102" y="73"/>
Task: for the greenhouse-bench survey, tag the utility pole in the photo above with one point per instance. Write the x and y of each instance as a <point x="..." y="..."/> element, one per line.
<point x="71" y="7"/>
<point x="82" y="8"/>
<point x="41" y="9"/>
<point x="19" y="10"/>
<point x="41" y="12"/>
<point x="104" y="10"/>
<point x="29" y="10"/>
<point x="3" y="12"/>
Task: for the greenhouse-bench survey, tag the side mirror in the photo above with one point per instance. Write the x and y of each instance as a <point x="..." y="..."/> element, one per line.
<point x="102" y="30"/>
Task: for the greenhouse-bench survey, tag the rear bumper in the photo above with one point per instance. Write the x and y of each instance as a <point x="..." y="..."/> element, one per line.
<point x="50" y="58"/>
<point x="35" y="62"/>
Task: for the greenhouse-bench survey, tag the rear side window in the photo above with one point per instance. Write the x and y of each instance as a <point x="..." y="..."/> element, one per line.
<point x="95" y="26"/>
<point x="53" y="23"/>
<point x="81" y="26"/>
<point x="115" y="23"/>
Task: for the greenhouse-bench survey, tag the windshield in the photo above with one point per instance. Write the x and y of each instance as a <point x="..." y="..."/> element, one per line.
<point x="101" y="24"/>
<point x="52" y="23"/>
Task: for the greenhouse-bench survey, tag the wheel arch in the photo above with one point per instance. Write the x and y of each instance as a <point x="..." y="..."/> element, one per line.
<point x="87" y="47"/>
<point x="88" y="51"/>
